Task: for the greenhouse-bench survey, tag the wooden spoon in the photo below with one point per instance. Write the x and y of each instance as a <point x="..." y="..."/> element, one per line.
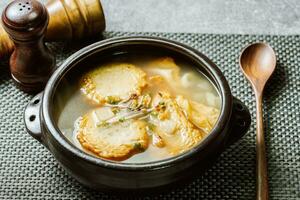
<point x="257" y="62"/>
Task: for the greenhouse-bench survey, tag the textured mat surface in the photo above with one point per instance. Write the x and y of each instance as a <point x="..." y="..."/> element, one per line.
<point x="29" y="171"/>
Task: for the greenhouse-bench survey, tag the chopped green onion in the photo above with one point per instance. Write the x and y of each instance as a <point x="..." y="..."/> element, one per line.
<point x="122" y="119"/>
<point x="138" y="147"/>
<point x="161" y="103"/>
<point x="112" y="99"/>
<point x="154" y="113"/>
<point x="102" y="123"/>
<point x="151" y="126"/>
<point x="115" y="110"/>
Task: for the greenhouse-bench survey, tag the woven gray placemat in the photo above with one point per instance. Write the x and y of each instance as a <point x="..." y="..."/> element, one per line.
<point x="29" y="171"/>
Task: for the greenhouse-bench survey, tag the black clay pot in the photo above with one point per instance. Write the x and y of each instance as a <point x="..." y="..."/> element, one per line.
<point x="101" y="174"/>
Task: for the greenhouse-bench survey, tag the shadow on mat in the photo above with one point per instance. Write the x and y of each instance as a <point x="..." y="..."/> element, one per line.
<point x="276" y="84"/>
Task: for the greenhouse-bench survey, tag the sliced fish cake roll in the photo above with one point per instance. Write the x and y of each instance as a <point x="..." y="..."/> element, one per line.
<point x="202" y="116"/>
<point x="170" y="123"/>
<point x="117" y="141"/>
<point x="113" y="83"/>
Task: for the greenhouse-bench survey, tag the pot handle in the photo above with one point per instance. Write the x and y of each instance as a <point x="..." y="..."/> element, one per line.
<point x="240" y="121"/>
<point x="32" y="117"/>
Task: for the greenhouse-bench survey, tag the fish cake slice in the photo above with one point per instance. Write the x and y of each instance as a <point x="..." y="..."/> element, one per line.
<point x="112" y="83"/>
<point x="178" y="134"/>
<point x="116" y="141"/>
<point x="204" y="117"/>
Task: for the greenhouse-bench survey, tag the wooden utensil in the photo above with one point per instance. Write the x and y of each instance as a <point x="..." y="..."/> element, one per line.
<point x="31" y="63"/>
<point x="69" y="20"/>
<point x="257" y="62"/>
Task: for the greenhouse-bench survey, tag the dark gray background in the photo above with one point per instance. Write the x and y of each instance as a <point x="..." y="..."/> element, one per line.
<point x="202" y="16"/>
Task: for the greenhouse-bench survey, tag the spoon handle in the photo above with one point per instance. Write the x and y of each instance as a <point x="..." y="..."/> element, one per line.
<point x="261" y="161"/>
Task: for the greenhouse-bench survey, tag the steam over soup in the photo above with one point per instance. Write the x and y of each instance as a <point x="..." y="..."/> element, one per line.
<point x="140" y="110"/>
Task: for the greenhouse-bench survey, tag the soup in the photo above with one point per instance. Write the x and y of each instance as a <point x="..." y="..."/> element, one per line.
<point x="138" y="109"/>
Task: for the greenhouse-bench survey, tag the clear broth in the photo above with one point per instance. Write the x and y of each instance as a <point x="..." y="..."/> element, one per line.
<point x="72" y="104"/>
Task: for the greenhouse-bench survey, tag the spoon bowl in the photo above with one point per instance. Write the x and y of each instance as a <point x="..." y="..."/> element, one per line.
<point x="258" y="61"/>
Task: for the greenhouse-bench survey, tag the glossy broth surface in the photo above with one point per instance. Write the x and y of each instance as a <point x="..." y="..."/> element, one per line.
<point x="192" y="85"/>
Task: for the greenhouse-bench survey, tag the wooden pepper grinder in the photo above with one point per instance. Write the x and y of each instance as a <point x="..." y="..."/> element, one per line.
<point x="31" y="62"/>
<point x="69" y="20"/>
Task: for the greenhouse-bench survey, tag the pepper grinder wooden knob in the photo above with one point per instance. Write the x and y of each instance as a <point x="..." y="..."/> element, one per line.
<point x="31" y="62"/>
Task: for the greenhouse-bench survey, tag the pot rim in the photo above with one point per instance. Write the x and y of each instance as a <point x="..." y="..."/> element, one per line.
<point x="222" y="85"/>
